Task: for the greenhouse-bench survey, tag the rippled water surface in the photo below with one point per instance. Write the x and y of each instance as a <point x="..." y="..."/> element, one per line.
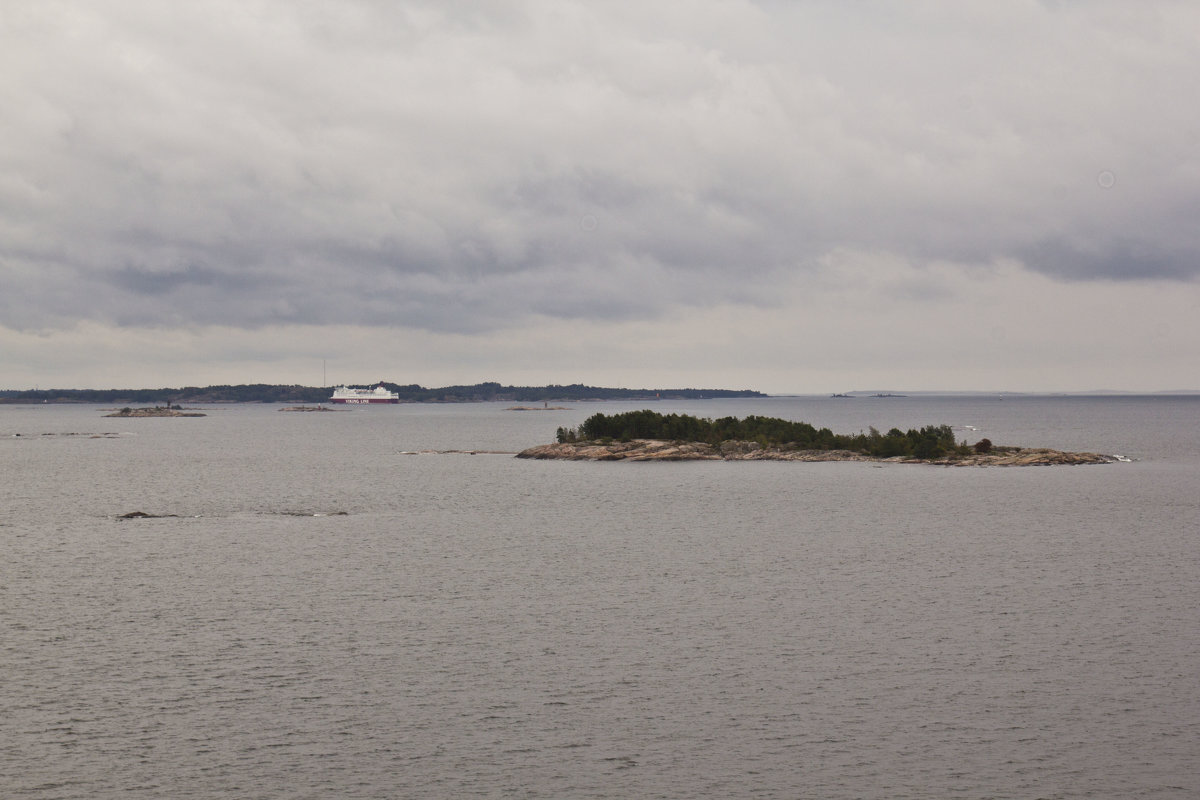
<point x="323" y="615"/>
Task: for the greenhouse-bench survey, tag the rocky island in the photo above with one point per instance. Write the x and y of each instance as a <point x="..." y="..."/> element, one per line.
<point x="649" y="436"/>
<point x="156" y="411"/>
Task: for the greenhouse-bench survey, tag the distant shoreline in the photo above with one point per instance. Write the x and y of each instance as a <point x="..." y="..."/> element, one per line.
<point x="410" y="393"/>
<point x="491" y="393"/>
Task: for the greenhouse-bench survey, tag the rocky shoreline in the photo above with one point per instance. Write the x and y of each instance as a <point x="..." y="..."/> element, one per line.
<point x="658" y="450"/>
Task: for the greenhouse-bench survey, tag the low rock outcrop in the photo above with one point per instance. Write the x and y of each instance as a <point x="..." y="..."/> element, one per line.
<point x="154" y="412"/>
<point x="658" y="450"/>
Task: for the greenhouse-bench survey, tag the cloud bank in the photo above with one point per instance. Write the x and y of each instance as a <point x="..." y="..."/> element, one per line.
<point x="464" y="169"/>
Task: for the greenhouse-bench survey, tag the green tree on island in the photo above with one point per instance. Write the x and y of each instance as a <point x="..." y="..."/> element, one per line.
<point x="931" y="441"/>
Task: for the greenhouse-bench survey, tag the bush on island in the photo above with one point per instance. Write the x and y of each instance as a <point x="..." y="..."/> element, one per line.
<point x="931" y="441"/>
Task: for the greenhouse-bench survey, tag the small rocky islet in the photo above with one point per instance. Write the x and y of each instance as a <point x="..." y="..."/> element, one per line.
<point x="650" y="436"/>
<point x="156" y="411"/>
<point x="660" y="450"/>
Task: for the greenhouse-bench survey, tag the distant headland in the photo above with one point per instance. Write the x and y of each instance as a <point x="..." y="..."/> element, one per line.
<point x="650" y="436"/>
<point x="410" y="393"/>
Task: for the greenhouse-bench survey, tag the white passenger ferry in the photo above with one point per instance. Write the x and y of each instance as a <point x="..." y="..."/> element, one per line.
<point x="344" y="394"/>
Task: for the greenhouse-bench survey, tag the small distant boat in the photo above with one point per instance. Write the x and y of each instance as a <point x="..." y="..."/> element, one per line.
<point x="1125" y="459"/>
<point x="344" y="394"/>
<point x="848" y="396"/>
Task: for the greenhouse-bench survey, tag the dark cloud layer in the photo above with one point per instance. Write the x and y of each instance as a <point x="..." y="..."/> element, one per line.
<point x="460" y="168"/>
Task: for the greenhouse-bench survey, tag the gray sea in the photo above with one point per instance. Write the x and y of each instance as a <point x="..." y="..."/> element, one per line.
<point x="324" y="615"/>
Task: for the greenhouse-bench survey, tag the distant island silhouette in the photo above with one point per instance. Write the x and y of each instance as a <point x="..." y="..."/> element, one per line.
<point x="410" y="393"/>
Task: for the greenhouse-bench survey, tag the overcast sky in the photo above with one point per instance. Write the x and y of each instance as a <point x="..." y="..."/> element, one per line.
<point x="796" y="196"/>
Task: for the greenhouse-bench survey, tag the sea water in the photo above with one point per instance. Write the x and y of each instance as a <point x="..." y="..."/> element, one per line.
<point x="320" y="610"/>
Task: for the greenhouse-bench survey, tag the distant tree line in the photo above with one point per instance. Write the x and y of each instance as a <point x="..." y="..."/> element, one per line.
<point x="931" y="441"/>
<point x="576" y="391"/>
<point x="249" y="393"/>
<point x="412" y="393"/>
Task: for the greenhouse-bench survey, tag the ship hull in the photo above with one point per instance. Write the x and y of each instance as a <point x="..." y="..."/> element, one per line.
<point x="364" y="401"/>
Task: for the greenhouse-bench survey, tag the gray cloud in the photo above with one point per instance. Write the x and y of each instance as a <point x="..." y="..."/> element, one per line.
<point x="461" y="168"/>
<point x="1114" y="258"/>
